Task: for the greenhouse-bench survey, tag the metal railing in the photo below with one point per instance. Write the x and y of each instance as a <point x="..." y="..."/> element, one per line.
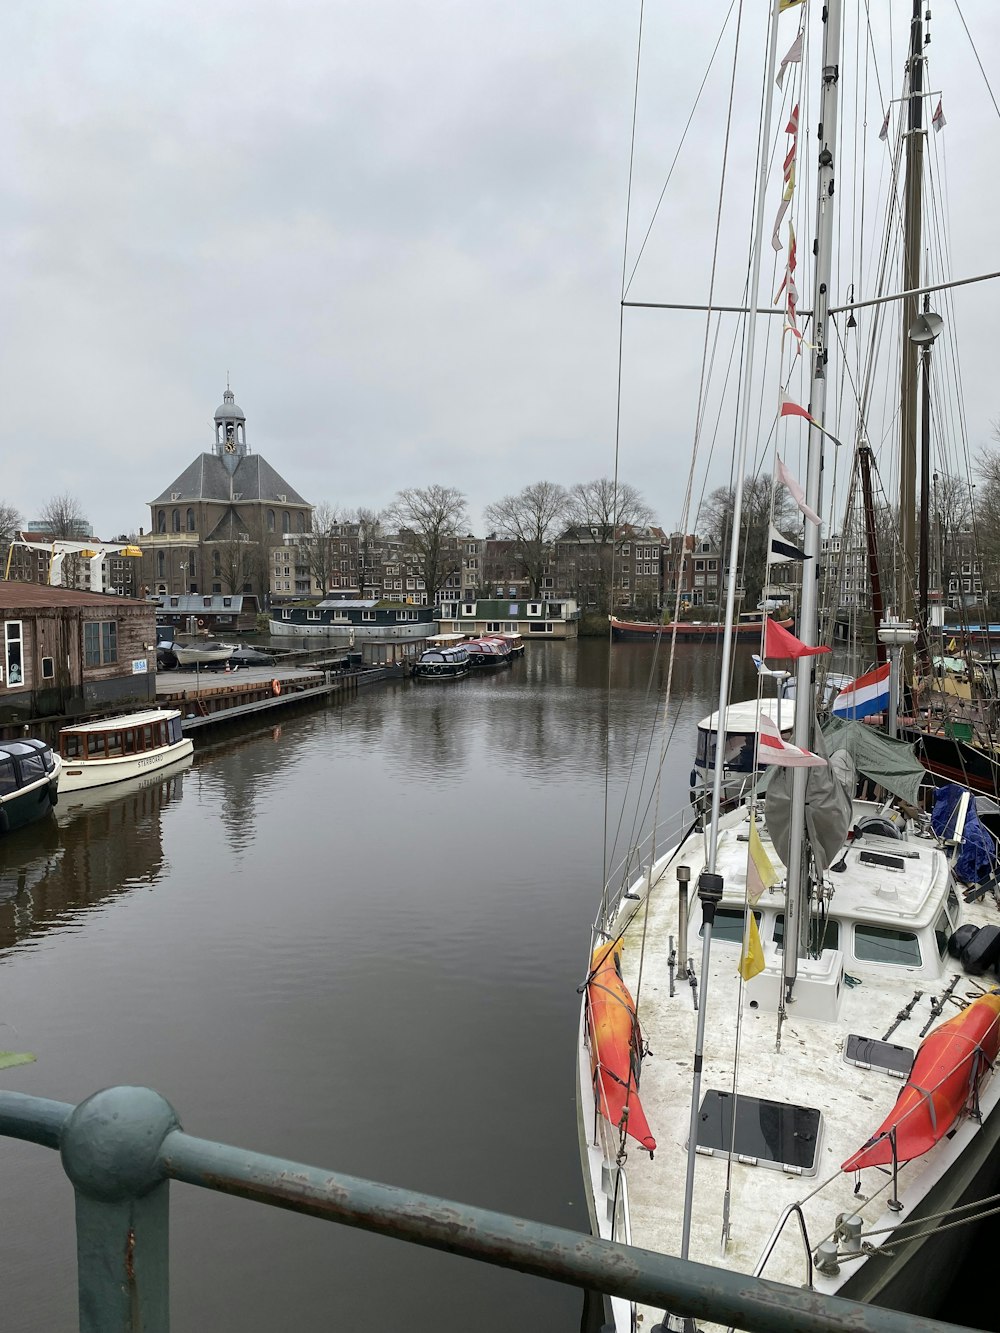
<point x="122" y="1147"/>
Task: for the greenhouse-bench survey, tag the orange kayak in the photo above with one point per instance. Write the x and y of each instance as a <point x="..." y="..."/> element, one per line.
<point x="615" y="1045"/>
<point x="950" y="1063"/>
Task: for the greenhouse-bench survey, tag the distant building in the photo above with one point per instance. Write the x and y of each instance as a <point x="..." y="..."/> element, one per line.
<point x="212" y="530"/>
<point x="99" y="567"/>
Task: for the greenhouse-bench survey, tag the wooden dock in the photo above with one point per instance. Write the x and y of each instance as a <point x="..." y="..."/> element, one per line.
<point x="209" y="699"/>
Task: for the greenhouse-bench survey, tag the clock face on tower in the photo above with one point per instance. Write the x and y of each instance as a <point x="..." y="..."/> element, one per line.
<point x="230" y="446"/>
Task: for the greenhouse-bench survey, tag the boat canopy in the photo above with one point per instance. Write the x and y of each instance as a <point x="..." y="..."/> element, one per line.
<point x="742" y="716"/>
<point x="890" y="763"/>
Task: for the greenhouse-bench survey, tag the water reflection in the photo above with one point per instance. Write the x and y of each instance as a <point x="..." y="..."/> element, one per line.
<point x="101" y="843"/>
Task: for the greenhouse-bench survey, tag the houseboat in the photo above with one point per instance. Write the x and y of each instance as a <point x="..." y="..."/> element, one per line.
<point x="29" y="781"/>
<point x="353" y="620"/>
<point x="488" y="654"/>
<point x="214" y="613"/>
<point x="118" y="748"/>
<point x="749" y="626"/>
<point x="499" y="616"/>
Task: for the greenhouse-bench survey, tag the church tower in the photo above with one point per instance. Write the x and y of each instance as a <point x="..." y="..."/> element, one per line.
<point x="230" y="431"/>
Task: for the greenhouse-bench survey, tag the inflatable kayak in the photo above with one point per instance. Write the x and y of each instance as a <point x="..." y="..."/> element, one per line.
<point x="950" y="1063"/>
<point x="615" y="1045"/>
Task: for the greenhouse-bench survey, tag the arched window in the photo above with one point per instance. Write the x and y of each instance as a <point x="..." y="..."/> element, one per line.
<point x="175" y="520"/>
<point x="300" y="522"/>
<point x="161" y="565"/>
<point x="161" y="520"/>
<point x="286" y="523"/>
<point x="270" y="520"/>
<point x="190" y="520"/>
<point x="192" y="565"/>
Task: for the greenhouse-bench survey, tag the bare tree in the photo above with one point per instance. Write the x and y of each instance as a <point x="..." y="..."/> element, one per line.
<point x="715" y="521"/>
<point x="598" y="506"/>
<point x="532" y="519"/>
<point x="63" y="516"/>
<point x="236" y="561"/>
<point x="321" y="551"/>
<point x="371" y="534"/>
<point x="427" y="518"/>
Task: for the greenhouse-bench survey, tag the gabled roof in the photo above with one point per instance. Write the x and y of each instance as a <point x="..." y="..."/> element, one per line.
<point x="208" y="478"/>
<point x="230" y="527"/>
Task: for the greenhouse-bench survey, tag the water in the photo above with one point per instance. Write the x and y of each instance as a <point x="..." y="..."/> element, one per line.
<point x="352" y="939"/>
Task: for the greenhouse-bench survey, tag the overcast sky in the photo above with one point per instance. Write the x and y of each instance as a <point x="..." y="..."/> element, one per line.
<point x="397" y="226"/>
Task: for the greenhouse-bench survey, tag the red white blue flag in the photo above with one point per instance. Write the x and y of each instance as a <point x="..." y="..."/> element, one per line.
<point x="867" y="695"/>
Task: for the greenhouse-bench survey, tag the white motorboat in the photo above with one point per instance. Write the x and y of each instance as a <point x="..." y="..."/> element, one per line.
<point x="117" y="749"/>
<point x="208" y="653"/>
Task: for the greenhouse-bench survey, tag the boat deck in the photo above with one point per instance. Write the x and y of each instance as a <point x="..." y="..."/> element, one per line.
<point x="809" y="1070"/>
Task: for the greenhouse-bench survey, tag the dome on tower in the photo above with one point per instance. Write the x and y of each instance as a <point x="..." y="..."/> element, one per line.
<point x="229" y="411"/>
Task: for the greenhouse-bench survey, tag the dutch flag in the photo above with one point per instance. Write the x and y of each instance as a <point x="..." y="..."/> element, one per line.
<point x="867" y="695"/>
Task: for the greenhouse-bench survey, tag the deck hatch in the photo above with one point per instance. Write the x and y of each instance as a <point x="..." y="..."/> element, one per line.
<point x="770" y="1134"/>
<point x="870" y="1053"/>
<point x="886" y="859"/>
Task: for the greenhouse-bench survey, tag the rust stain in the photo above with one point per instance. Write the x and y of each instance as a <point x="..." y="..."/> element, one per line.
<point x="130" y="1255"/>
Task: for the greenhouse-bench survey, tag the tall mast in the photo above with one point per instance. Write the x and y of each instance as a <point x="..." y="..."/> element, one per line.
<point x="912" y="209"/>
<point x="796" y="927"/>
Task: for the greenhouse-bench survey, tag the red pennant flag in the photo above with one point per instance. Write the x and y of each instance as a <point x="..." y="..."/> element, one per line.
<point x="779" y="643"/>
<point x="790" y="409"/>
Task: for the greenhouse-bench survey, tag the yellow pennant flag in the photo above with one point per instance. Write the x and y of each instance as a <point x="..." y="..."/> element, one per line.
<point x="761" y="874"/>
<point x="788" y="4"/>
<point x="752" y="958"/>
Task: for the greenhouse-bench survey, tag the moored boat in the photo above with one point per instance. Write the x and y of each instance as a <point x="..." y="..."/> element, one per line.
<point x="488" y="653"/>
<point x="442" y="663"/>
<point x="29" y="782"/>
<point x="208" y="653"/>
<point x="751" y="627"/>
<point x="116" y="749"/>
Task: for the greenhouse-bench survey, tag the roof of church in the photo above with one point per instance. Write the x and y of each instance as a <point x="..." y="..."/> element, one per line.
<point x="208" y="478"/>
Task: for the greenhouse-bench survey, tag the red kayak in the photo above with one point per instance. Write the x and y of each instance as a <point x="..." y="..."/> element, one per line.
<point x="615" y="1045"/>
<point x="950" y="1063"/>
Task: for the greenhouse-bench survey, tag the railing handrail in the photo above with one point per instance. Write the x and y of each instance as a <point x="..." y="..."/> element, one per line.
<point x="122" y="1146"/>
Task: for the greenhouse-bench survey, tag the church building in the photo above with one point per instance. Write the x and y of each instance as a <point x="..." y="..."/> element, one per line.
<point x="213" y="528"/>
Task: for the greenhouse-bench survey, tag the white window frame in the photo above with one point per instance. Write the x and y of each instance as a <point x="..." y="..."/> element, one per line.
<point x="9" y="639"/>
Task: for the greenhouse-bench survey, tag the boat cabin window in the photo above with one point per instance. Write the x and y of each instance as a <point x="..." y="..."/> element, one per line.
<point x="739" y="751"/>
<point x="71" y="746"/>
<point x="174" y="727"/>
<point x="8" y="777"/>
<point x="882" y="944"/>
<point x="729" y="925"/>
<point x="32" y="767"/>
<point x="943" y="931"/>
<point x="95" y="744"/>
<point x="822" y="934"/>
<point x="768" y="1133"/>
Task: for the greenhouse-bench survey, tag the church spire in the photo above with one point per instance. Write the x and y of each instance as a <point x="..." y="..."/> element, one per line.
<point x="230" y="429"/>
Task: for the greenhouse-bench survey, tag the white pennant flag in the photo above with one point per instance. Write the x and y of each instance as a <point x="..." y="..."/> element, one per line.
<point x="772" y="749"/>
<point x="883" y="133"/>
<point x="793" y="56"/>
<point x="938" y="120"/>
<point x="797" y="493"/>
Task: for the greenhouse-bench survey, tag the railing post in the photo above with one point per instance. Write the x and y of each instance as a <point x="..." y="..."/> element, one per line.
<point x="111" y="1152"/>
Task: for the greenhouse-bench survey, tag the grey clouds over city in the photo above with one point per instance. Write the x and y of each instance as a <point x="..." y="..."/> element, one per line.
<point x="397" y="227"/>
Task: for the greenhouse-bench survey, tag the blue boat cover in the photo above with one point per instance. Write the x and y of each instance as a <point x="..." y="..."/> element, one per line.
<point x="976" y="859"/>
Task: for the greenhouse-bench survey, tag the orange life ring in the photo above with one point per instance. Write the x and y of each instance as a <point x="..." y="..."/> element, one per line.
<point x="275" y="687"/>
<point x="201" y="624"/>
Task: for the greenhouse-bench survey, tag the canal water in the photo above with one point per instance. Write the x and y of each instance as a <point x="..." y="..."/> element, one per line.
<point x="351" y="939"/>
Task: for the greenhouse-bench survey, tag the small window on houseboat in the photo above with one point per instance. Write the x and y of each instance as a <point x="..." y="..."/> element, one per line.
<point x="71" y="746"/>
<point x="113" y="739"/>
<point x="128" y="741"/>
<point x="147" y="737"/>
<point x="8" y="778"/>
<point x="95" y="744"/>
<point x="729" y="925"/>
<point x="882" y="944"/>
<point x="175" y="729"/>
<point x="48" y="668"/>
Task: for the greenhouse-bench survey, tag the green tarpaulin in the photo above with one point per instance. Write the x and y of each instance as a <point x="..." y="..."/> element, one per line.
<point x="892" y="764"/>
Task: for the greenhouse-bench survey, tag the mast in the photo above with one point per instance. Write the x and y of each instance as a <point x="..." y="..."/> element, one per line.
<point x="871" y="543"/>
<point x="796" y="918"/>
<point x="912" y="210"/>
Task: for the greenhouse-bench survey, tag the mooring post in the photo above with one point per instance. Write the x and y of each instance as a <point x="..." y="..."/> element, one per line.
<point x="110" y="1149"/>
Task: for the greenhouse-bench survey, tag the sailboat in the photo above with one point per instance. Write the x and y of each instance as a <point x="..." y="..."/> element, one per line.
<point x="818" y="988"/>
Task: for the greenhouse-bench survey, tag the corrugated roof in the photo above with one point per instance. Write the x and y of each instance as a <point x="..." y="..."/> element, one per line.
<point x="13" y="594"/>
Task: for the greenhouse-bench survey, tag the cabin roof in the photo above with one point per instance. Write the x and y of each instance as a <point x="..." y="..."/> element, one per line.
<point x="16" y="595"/>
<point x="125" y="720"/>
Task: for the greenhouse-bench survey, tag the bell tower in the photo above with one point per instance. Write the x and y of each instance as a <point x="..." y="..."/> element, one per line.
<point x="230" y="430"/>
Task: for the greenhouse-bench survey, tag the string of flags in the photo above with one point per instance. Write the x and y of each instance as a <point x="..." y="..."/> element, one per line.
<point x="938" y="121"/>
